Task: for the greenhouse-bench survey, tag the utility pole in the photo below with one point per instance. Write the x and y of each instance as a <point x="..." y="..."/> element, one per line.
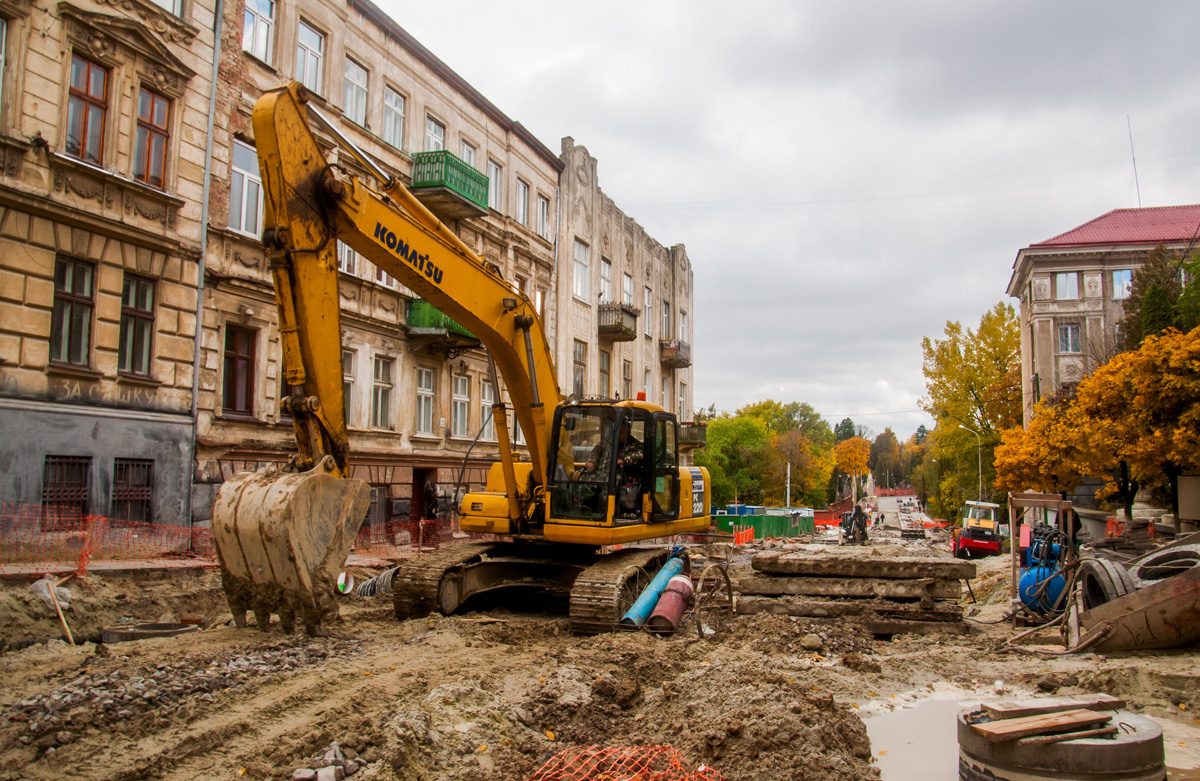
<point x="789" y="484"/>
<point x="979" y="453"/>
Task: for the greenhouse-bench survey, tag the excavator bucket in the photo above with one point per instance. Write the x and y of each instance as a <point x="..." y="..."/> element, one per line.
<point x="282" y="538"/>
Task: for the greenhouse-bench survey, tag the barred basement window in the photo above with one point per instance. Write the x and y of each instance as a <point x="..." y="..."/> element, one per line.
<point x="133" y="484"/>
<point x="65" y="486"/>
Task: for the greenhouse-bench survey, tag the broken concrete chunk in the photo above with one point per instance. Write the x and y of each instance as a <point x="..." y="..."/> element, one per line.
<point x="304" y="774"/>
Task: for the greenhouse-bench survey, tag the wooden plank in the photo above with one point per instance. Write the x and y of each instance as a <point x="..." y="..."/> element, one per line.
<point x="778" y="585"/>
<point x="1041" y="740"/>
<point x="1042" y="724"/>
<point x="843" y="566"/>
<point x="1035" y="706"/>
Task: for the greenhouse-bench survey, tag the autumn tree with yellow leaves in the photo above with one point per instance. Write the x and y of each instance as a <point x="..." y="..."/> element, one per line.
<point x="852" y="456"/>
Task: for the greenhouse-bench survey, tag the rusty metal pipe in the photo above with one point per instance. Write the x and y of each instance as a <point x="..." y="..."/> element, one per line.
<point x="671" y="605"/>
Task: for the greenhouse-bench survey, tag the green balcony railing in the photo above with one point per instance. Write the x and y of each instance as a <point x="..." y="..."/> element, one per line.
<point x="444" y="169"/>
<point x="422" y="314"/>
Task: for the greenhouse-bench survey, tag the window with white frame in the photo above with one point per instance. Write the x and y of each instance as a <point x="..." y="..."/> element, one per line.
<point x="467" y="153"/>
<point x="604" y="373"/>
<point x="543" y="216"/>
<point x="583" y="269"/>
<point x="424" y="401"/>
<point x="648" y="385"/>
<point x="579" y="373"/>
<point x="460" y="406"/>
<point x="648" y="312"/>
<point x="347" y="258"/>
<point x="393" y="117"/>
<point x="666" y="394"/>
<point x="666" y="320"/>
<point x="174" y="7"/>
<point x="348" y="362"/>
<point x="518" y="434"/>
<point x="683" y="404"/>
<point x="258" y="28"/>
<point x="385" y="279"/>
<point x="487" y="397"/>
<point x="435" y="134"/>
<point x="521" y="214"/>
<point x="354" y="93"/>
<point x="1069" y="338"/>
<point x="310" y="57"/>
<point x="1066" y="286"/>
<point x="627" y="289"/>
<point x="683" y="326"/>
<point x="627" y="379"/>
<point x="605" y="281"/>
<point x="1122" y="281"/>
<point x="381" y="394"/>
<point x="495" y="174"/>
<point x="245" y="194"/>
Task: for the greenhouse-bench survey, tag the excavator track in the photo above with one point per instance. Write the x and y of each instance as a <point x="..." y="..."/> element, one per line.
<point x="416" y="582"/>
<point x="609" y="586"/>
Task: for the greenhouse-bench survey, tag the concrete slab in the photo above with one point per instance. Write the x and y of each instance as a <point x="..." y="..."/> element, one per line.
<point x="774" y="585"/>
<point x="863" y="566"/>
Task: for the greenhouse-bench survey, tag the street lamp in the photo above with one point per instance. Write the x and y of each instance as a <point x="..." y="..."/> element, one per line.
<point x="979" y="453"/>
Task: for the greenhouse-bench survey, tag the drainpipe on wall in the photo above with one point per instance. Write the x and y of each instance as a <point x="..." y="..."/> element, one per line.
<point x="219" y="12"/>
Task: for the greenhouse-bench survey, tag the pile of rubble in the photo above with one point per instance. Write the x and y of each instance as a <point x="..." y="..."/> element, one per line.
<point x="888" y="595"/>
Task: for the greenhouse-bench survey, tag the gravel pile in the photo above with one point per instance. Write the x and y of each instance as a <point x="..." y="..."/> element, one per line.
<point x="56" y="717"/>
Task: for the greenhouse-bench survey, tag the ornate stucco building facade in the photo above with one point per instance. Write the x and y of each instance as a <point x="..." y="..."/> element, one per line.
<point x="103" y="130"/>
<point x="1072" y="289"/>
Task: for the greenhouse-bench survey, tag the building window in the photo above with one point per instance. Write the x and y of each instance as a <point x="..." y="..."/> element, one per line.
<point x="435" y="134"/>
<point x="310" y="52"/>
<point x="683" y="402"/>
<point x="460" y="406"/>
<point x="518" y="434"/>
<point x="393" y="117"/>
<point x="539" y="303"/>
<point x="150" y="152"/>
<point x="467" y="153"/>
<point x="666" y="394"/>
<point x="258" y="28"/>
<point x="583" y="269"/>
<point x="354" y="92"/>
<point x="245" y="195"/>
<point x="239" y="370"/>
<point x="605" y="373"/>
<point x="133" y="485"/>
<point x="1122" y="281"/>
<point x="137" y="325"/>
<point x="627" y="289"/>
<point x="66" y="483"/>
<point x="487" y="397"/>
<point x="381" y="395"/>
<point x="522" y="208"/>
<point x="424" y="401"/>
<point x="495" y="186"/>
<point x="648" y="311"/>
<point x="87" y="106"/>
<point x="347" y="258"/>
<point x="543" y="216"/>
<point x="627" y="379"/>
<point x="1066" y="286"/>
<point x="683" y="327"/>
<point x="1069" y="338"/>
<point x="348" y="362"/>
<point x="605" y="281"/>
<point x="71" y="324"/>
<point x="648" y="385"/>
<point x="174" y="7"/>
<point x="666" y="320"/>
<point x="385" y="279"/>
<point x="579" y="374"/>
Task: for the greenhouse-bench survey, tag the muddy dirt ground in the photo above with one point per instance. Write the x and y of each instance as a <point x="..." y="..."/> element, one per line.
<point x="491" y="694"/>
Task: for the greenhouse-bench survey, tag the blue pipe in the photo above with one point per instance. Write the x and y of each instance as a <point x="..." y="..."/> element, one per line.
<point x="644" y="606"/>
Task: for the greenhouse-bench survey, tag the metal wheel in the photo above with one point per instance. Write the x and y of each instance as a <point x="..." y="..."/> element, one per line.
<point x="712" y="602"/>
<point x="629" y="587"/>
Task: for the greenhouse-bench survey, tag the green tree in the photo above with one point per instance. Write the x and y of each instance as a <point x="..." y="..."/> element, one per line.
<point x="885" y="458"/>
<point x="1150" y="307"/>
<point x="844" y="430"/>
<point x="738" y="458"/>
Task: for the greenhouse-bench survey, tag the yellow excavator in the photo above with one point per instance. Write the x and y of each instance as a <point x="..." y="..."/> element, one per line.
<point x="600" y="472"/>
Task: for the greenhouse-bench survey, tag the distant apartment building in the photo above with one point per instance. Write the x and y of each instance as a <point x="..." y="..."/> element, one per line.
<point x="416" y="383"/>
<point x="1072" y="287"/>
<point x="624" y="302"/>
<point x="103" y="128"/>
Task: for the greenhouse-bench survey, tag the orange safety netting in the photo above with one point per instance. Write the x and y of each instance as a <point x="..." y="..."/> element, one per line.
<point x="647" y="763"/>
<point x="34" y="537"/>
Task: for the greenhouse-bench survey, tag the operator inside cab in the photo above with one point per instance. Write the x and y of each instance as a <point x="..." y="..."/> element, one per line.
<point x="601" y="453"/>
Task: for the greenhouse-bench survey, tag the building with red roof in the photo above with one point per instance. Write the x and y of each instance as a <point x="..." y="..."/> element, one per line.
<point x="1072" y="288"/>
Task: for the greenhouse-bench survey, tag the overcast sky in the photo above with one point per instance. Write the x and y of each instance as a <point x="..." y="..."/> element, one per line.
<point x="846" y="176"/>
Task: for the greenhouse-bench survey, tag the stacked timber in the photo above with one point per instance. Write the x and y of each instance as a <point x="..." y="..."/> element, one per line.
<point x="887" y="595"/>
<point x="1137" y="536"/>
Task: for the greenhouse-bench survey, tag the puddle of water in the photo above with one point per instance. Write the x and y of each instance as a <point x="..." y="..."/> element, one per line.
<point x="922" y="741"/>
